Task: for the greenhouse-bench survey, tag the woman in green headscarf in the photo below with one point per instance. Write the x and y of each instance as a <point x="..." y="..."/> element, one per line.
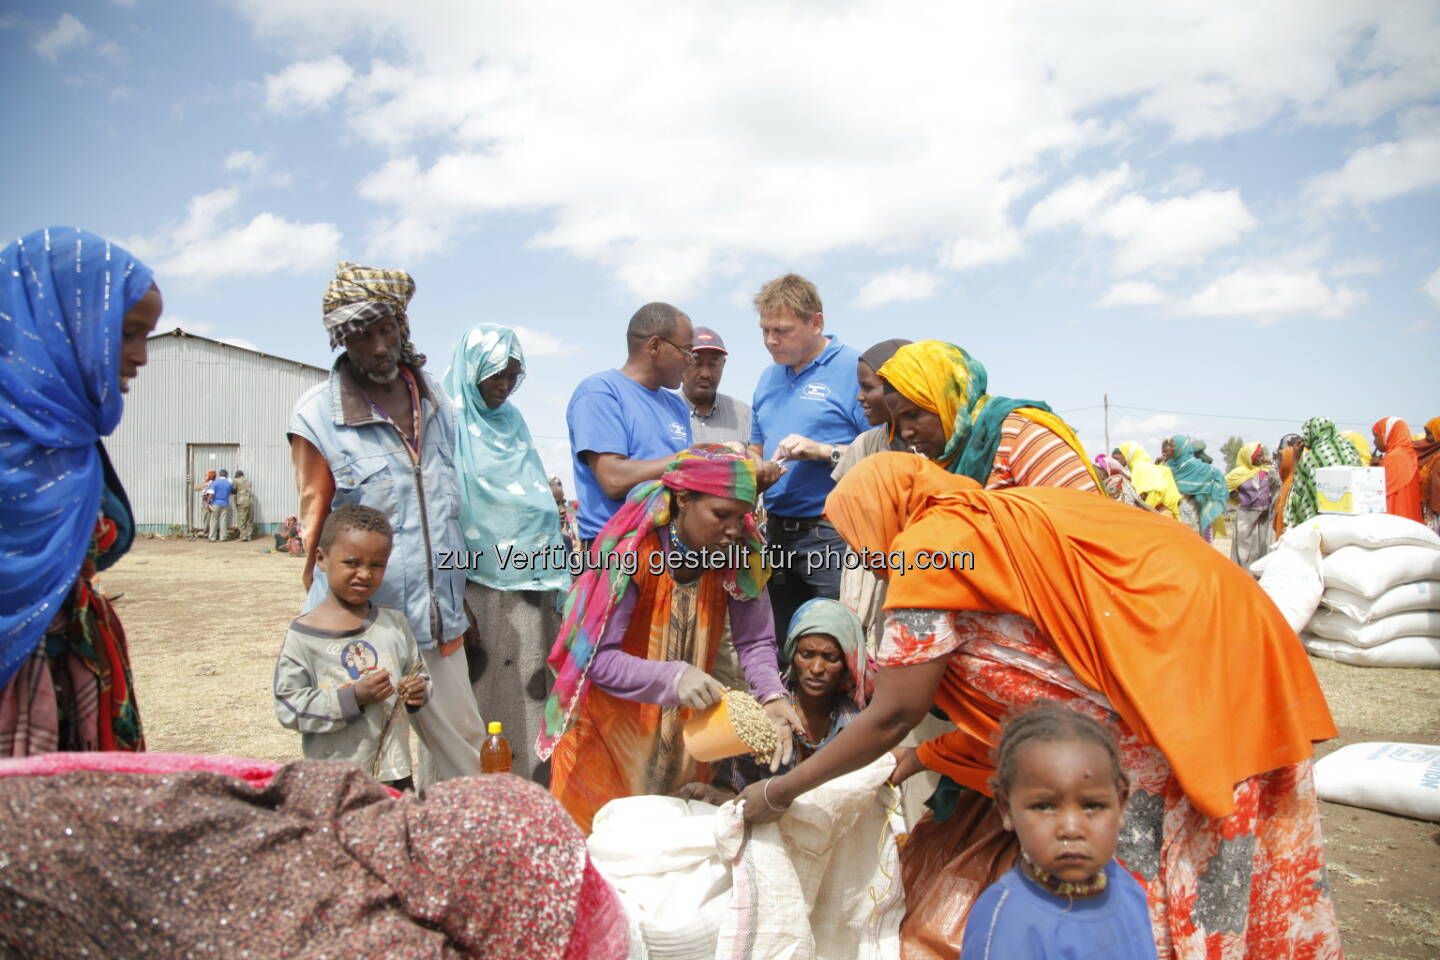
<point x="506" y="510"/>
<point x="937" y="399"/>
<point x="1324" y="447"/>
<point x="1198" y="480"/>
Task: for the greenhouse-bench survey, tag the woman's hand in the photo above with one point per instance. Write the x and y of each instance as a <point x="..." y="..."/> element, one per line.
<point x="907" y="764"/>
<point x="764" y="804"/>
<point x="697" y="690"/>
<point x="704" y="793"/>
<point x="788" y="726"/>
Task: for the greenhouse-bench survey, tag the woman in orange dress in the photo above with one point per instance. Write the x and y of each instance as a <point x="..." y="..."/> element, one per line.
<point x="1125" y="616"/>
<point x="1402" y="468"/>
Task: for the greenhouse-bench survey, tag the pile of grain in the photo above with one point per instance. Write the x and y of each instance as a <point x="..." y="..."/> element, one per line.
<point x="751" y="722"/>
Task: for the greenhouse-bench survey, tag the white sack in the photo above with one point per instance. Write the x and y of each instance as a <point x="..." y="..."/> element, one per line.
<point x="1292" y="577"/>
<point x="1401" y="778"/>
<point x="1419" y="652"/>
<point x="1420" y="595"/>
<point x="1372" y="530"/>
<point x="1337" y="626"/>
<point x="1372" y="572"/>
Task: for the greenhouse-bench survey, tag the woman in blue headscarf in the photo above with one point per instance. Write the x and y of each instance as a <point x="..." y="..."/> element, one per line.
<point x="507" y="511"/>
<point x="74" y="314"/>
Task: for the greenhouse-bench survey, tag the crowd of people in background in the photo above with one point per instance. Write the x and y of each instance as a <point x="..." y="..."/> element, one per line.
<point x="449" y="579"/>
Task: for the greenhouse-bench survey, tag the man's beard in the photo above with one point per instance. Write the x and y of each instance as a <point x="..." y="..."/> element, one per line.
<point x="383" y="377"/>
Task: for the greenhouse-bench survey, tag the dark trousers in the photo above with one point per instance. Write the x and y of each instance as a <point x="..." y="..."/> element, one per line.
<point x="806" y="557"/>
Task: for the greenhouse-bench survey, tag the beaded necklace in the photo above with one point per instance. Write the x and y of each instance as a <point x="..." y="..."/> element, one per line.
<point x="1062" y="888"/>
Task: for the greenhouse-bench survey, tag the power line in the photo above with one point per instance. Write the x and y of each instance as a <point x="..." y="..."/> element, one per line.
<point x="1227" y="416"/>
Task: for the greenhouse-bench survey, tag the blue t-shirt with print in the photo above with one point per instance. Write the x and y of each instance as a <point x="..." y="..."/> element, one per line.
<point x="820" y="402"/>
<point x="610" y="413"/>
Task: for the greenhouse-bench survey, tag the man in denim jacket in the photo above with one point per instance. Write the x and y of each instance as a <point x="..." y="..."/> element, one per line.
<point x="380" y="432"/>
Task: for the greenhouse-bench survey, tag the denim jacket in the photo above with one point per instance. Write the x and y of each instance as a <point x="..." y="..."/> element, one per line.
<point x="371" y="465"/>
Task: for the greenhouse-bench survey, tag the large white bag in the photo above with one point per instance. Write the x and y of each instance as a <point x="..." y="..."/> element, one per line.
<point x="1372" y="572"/>
<point x="1292" y="577"/>
<point x="1401" y="778"/>
<point x="1418" y="652"/>
<point x="1372" y="530"/>
<point x="1421" y="595"/>
<point x="1337" y="626"/>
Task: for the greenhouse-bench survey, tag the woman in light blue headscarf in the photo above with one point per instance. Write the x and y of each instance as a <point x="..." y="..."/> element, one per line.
<point x="1201" y="481"/>
<point x="507" y="512"/>
<point x="74" y="314"/>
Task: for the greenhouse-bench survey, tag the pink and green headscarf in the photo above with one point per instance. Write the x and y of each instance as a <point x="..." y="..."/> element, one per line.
<point x="704" y="468"/>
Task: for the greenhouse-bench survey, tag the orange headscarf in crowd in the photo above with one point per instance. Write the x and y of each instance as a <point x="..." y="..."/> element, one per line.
<point x="1427" y="452"/>
<point x="1287" y="478"/>
<point x="1402" y="468"/>
<point x="1188" y="649"/>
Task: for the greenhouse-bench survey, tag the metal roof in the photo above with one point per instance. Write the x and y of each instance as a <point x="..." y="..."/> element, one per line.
<point x="178" y="332"/>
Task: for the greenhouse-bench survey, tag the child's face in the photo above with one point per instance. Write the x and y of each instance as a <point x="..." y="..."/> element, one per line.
<point x="1065" y="807"/>
<point x="355" y="564"/>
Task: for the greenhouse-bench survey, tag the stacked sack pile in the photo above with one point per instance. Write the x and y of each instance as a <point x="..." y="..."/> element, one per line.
<point x="1381" y="601"/>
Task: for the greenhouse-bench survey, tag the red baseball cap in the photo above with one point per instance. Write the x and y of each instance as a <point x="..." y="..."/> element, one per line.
<point x="707" y="339"/>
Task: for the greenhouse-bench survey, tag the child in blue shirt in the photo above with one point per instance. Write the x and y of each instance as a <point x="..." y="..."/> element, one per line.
<point x="1060" y="788"/>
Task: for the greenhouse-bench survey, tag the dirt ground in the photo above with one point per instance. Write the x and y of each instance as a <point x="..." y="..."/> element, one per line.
<point x="205" y="621"/>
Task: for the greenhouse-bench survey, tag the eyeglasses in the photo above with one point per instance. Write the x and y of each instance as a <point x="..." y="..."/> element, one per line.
<point x="687" y="352"/>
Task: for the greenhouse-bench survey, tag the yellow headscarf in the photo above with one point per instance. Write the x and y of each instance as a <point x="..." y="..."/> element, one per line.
<point x="1149" y="479"/>
<point x="1245" y="469"/>
<point x="1361" y="445"/>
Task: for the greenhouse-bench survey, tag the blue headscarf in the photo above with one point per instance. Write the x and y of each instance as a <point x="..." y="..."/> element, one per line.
<point x="505" y="498"/>
<point x="1198" y="479"/>
<point x="63" y="298"/>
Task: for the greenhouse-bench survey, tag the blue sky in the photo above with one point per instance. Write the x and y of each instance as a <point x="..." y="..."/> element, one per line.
<point x="1210" y="214"/>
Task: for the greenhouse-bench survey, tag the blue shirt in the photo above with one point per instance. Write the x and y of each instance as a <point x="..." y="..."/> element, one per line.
<point x="820" y="402"/>
<point x="610" y="413"/>
<point x="220" y="490"/>
<point x="1014" y="919"/>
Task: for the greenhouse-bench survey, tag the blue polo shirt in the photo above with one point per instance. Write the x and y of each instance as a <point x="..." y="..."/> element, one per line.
<point x="610" y="413"/>
<point x="820" y="402"/>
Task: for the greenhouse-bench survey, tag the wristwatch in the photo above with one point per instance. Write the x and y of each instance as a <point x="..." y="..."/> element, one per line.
<point x="835" y="454"/>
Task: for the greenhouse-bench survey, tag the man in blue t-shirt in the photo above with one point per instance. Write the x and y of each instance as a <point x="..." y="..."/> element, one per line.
<point x="625" y="427"/>
<point x="220" y="489"/>
<point x="804" y="415"/>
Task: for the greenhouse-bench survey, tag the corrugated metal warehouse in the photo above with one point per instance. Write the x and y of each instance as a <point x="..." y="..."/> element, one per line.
<point x="199" y="405"/>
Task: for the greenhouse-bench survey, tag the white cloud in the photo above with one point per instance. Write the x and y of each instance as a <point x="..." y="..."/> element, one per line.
<point x="902" y="283"/>
<point x="67" y="32"/>
<point x="1386" y="170"/>
<point x="1078" y="200"/>
<point x="1358" y="267"/>
<point x="1269" y="293"/>
<point x="203" y="248"/>
<point x="1133" y="293"/>
<point x="1420" y="326"/>
<point x="1432" y="286"/>
<point x="1176" y="231"/>
<point x="632" y="131"/>
<point x="308" y="85"/>
<point x="245" y="161"/>
<point x="538" y="343"/>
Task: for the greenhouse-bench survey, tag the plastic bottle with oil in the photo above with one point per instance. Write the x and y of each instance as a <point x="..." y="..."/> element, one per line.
<point x="495" y="751"/>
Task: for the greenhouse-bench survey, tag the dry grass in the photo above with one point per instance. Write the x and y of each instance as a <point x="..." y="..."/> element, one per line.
<point x="206" y="620"/>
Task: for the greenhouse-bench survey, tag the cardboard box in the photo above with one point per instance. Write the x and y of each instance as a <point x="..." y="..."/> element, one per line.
<point x="1350" y="490"/>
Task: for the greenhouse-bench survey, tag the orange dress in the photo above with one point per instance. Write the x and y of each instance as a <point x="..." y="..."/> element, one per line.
<point x="1402" y="469"/>
<point x="621" y="748"/>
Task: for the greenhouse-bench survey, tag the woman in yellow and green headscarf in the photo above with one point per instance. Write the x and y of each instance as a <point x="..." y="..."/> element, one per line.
<point x="937" y="397"/>
<point x="1156" y="485"/>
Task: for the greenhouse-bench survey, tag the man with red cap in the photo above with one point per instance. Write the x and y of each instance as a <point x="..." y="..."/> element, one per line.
<point x="714" y="417"/>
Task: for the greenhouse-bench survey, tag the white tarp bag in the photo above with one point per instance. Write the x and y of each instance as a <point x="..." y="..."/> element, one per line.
<point x="659" y="855"/>
<point x="1420" y="595"/>
<point x="1372" y="572"/>
<point x="822" y="882"/>
<point x="1337" y="626"/>
<point x="1372" y="530"/>
<point x="1292" y="577"/>
<point x="1416" y="652"/>
<point x="1402" y="778"/>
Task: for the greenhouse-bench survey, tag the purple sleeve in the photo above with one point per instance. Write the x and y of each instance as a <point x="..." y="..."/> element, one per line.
<point x="628" y="677"/>
<point x="752" y="628"/>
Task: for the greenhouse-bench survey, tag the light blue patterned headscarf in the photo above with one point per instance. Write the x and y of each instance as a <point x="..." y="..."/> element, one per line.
<point x="63" y="298"/>
<point x="505" y="498"/>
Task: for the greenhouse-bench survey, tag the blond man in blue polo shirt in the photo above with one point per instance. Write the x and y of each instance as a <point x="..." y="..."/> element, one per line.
<point x="805" y="414"/>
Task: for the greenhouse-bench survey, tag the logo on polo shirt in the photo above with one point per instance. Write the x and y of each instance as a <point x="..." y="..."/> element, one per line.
<point x="678" y="431"/>
<point x="816" y="391"/>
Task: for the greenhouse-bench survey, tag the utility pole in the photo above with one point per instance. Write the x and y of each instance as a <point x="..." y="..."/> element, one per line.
<point x="1108" y="448"/>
